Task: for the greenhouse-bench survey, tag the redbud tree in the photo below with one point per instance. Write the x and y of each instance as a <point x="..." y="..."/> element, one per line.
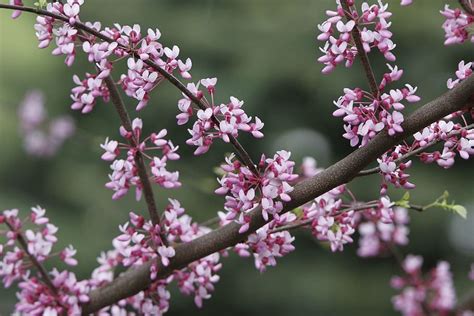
<point x="265" y="198"/>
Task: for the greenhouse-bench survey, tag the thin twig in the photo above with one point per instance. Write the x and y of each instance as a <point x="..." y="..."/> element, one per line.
<point x="142" y="171"/>
<point x="414" y="152"/>
<point x="361" y="51"/>
<point x="310" y="220"/>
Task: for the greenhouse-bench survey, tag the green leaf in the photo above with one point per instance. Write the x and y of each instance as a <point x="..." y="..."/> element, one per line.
<point x="460" y="210"/>
<point x="298" y="212"/>
<point x="404" y="201"/>
<point x="41" y="4"/>
<point x="406" y="196"/>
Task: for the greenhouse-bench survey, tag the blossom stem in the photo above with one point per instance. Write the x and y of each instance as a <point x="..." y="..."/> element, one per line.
<point x="142" y="171"/>
<point x="241" y="153"/>
<point x="42" y="271"/>
<point x="414" y="152"/>
<point x="364" y="58"/>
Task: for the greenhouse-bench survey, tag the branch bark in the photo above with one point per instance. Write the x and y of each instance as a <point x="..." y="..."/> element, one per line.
<point x="137" y="279"/>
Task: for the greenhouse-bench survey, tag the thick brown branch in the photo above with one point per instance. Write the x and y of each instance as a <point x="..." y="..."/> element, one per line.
<point x="361" y="51"/>
<point x="341" y="172"/>
<point x="142" y="171"/>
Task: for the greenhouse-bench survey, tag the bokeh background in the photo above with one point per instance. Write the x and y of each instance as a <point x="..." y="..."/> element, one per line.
<point x="263" y="52"/>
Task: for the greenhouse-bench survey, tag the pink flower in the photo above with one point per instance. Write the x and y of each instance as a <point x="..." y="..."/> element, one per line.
<point x="166" y="253"/>
<point x="456" y="25"/>
<point x="111" y="149"/>
<point x="16" y="13"/>
<point x="67" y="255"/>
<point x="464" y="71"/>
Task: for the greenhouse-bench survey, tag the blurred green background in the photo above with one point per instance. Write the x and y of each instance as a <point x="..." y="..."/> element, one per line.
<point x="263" y="52"/>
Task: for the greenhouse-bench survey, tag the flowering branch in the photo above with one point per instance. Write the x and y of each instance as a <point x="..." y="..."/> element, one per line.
<point x="415" y="152"/>
<point x="24" y="245"/>
<point x="240" y="151"/>
<point x="117" y="101"/>
<point x="343" y="171"/>
<point x="364" y="58"/>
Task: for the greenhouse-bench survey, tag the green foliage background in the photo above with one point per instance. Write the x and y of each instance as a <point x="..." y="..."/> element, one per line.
<point x="263" y="52"/>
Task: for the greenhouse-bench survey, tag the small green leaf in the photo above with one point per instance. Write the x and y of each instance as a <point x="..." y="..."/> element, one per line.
<point x="406" y="196"/>
<point x="298" y="212"/>
<point x="460" y="210"/>
<point x="41" y="4"/>
<point x="404" y="201"/>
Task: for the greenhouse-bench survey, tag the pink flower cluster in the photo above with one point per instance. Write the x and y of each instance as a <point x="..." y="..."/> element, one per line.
<point x="144" y="53"/>
<point x="22" y="253"/>
<point x="395" y="173"/>
<point x="86" y="92"/>
<point x="65" y="34"/>
<point x="242" y="187"/>
<point x="457" y="139"/>
<point x="338" y="49"/>
<point x="456" y="26"/>
<point x="266" y="246"/>
<point x="420" y="295"/>
<point x="140" y="242"/>
<point x="377" y="233"/>
<point x="42" y="137"/>
<point x="464" y="71"/>
<point x="365" y="115"/>
<point x="216" y="121"/>
<point x="328" y="222"/>
<point x="125" y="172"/>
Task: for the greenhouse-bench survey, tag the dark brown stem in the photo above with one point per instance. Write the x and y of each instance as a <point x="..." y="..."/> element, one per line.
<point x="413" y="152"/>
<point x="309" y="221"/>
<point x="467" y="6"/>
<point x="361" y="51"/>
<point x="138" y="279"/>
<point x="142" y="171"/>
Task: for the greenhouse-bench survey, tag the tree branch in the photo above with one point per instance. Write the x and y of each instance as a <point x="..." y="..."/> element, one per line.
<point x="241" y="153"/>
<point x="137" y="279"/>
<point x="364" y="58"/>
